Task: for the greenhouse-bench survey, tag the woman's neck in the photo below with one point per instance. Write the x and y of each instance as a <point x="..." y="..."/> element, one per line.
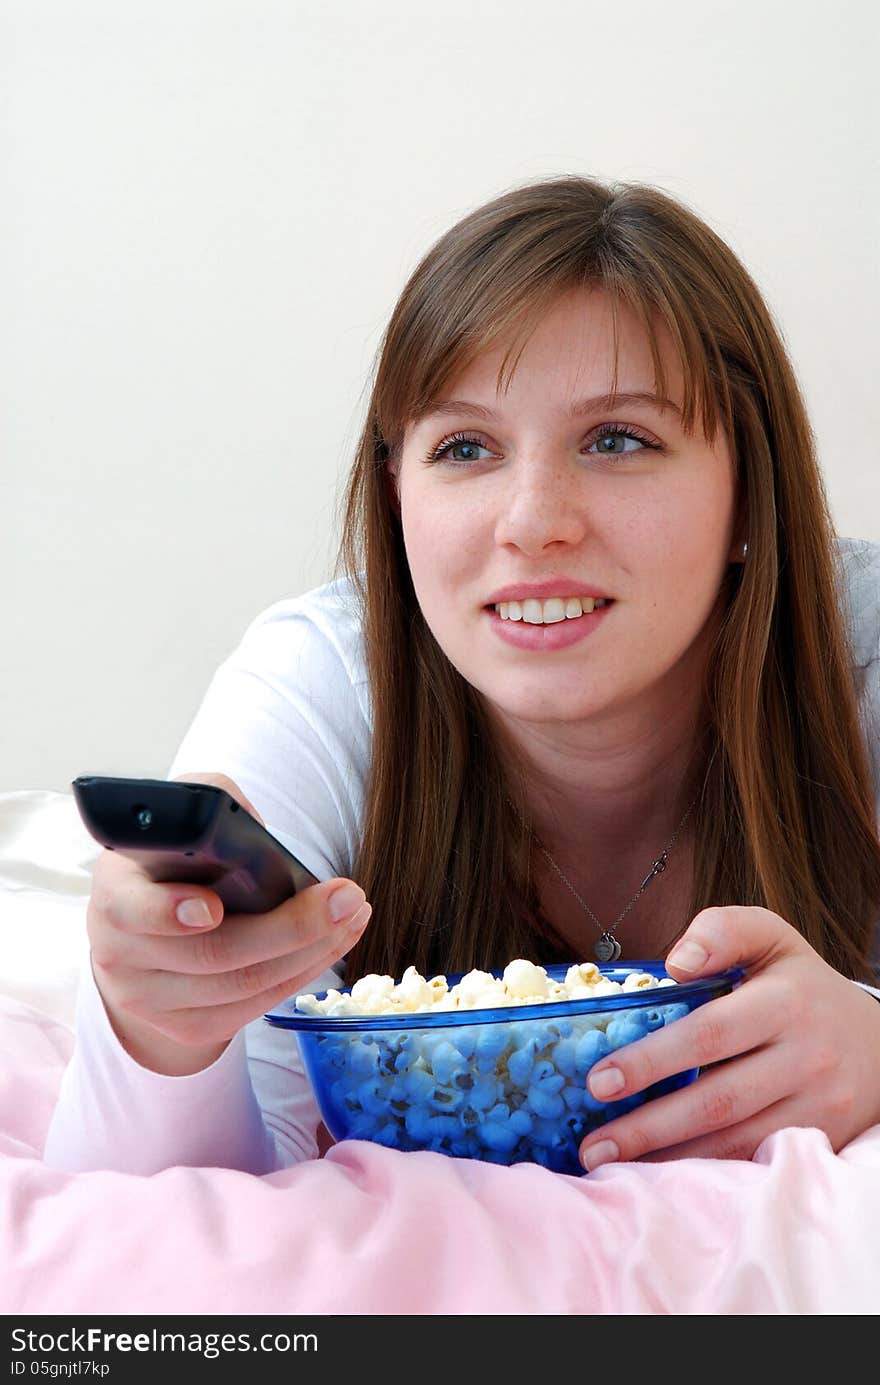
<point x="604" y="858"/>
<point x="613" y="790"/>
<point x="633" y="820"/>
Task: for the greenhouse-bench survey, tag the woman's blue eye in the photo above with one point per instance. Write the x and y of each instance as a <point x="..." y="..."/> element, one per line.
<point x="455" y="441"/>
<point x="615" y="437"/>
<point x="465" y="443"/>
<point x="615" y="433"/>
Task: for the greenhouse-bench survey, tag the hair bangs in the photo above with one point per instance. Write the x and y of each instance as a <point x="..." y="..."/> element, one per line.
<point x="654" y="306"/>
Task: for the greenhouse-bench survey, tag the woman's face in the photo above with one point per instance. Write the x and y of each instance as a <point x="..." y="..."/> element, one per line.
<point x="619" y="501"/>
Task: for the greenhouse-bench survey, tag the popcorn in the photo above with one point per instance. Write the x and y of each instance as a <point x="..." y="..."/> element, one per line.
<point x="478" y="990"/>
<point x="524" y="980"/>
<point x="501" y="1088"/>
<point x="438" y="987"/>
<point x="582" y="974"/>
<point x="372" y="987"/>
<point x="413" y="993"/>
<point x="637" y="981"/>
<point x="522" y="983"/>
<point x="310" y="1005"/>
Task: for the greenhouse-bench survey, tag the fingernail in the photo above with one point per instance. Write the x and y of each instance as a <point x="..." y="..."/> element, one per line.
<point x="345" y="901"/>
<point x="605" y="1083"/>
<point x="194" y="913"/>
<point x="361" y="918"/>
<point x="688" y="956"/>
<point x="605" y="1152"/>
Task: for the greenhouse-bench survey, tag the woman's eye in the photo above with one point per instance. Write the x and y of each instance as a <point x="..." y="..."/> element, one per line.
<point x="614" y="437"/>
<point x="468" y="447"/>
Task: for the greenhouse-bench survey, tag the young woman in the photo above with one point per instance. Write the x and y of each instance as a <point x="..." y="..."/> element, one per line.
<point x="580" y="395"/>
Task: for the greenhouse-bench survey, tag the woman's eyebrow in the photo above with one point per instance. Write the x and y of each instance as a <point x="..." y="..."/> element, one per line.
<point x="593" y="405"/>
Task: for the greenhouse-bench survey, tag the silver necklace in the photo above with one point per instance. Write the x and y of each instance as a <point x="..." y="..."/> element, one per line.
<point x="607" y="948"/>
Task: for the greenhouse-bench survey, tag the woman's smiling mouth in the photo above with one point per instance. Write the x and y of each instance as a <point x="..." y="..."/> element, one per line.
<point x="547" y="625"/>
<point x="551" y="611"/>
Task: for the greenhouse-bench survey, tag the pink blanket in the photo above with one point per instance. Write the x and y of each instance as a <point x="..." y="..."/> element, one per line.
<point x="370" y="1230"/>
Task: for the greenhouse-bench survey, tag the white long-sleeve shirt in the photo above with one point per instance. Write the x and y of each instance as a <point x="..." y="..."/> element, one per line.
<point x="287" y="717"/>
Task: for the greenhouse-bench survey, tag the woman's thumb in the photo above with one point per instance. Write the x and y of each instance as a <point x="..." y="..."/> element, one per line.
<point x="728" y="936"/>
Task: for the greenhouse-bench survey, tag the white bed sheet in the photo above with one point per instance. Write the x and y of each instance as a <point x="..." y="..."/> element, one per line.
<point x="46" y="863"/>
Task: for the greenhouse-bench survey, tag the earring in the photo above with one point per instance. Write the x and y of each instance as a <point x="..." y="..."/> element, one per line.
<point x="745" y="549"/>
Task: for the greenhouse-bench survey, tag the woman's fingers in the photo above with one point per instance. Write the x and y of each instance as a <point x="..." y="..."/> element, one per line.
<point x="248" y="940"/>
<point x="715" y="1105"/>
<point x="191" y="1024"/>
<point x="733" y="1142"/>
<point x="170" y="986"/>
<point x="791" y="1045"/>
<point x="243" y="940"/>
<point x="732" y="935"/>
<point x="124" y="900"/>
<point x="740" y="1037"/>
<point x="714" y="1032"/>
<point x="174" y="988"/>
<point x="736" y="1036"/>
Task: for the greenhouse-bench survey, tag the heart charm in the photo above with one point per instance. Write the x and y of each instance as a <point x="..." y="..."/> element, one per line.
<point x="607" y="949"/>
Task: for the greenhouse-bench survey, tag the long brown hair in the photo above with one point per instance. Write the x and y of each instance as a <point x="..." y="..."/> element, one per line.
<point x="786" y="818"/>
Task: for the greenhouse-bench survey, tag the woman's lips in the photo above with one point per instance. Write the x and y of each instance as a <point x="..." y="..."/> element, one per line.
<point x="558" y="635"/>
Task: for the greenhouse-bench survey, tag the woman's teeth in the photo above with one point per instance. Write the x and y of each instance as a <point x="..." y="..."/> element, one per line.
<point x="549" y="612"/>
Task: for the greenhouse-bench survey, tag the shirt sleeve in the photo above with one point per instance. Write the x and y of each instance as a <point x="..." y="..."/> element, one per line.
<point x="284" y="717"/>
<point x="252" y="1109"/>
<point x="287" y="718"/>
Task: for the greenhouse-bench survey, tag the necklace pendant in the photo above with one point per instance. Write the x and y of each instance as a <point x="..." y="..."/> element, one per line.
<point x="607" y="949"/>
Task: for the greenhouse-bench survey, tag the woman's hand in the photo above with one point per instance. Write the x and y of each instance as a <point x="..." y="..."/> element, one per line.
<point x="798" y="1044"/>
<point x="177" y="989"/>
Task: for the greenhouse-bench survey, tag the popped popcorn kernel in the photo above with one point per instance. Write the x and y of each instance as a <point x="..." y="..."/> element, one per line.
<point x="372" y="986"/>
<point x="522" y="983"/>
<point x="582" y="974"/>
<point x="476" y="985"/>
<point x="523" y="979"/>
<point x="637" y="981"/>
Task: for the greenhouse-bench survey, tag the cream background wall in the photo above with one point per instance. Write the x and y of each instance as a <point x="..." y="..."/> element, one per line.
<point x="209" y="208"/>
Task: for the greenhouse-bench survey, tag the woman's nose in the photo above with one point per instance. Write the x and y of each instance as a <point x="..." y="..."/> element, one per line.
<point x="539" y="506"/>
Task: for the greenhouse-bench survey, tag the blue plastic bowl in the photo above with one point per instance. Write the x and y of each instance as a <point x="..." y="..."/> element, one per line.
<point x="505" y="1085"/>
